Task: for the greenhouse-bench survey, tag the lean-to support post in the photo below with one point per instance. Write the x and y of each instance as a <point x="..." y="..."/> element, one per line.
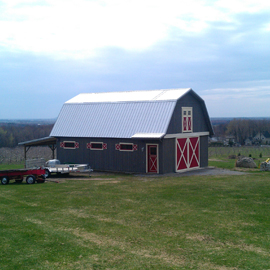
<point x="53" y="147"/>
<point x="26" y="149"/>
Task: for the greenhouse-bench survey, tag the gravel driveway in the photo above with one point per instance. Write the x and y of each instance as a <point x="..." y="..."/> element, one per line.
<point x="212" y="171"/>
<point x="200" y="171"/>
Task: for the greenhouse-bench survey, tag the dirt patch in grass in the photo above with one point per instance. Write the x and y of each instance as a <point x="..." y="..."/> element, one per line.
<point x="55" y="180"/>
<point x="209" y="265"/>
<point x="102" y="182"/>
<point x="35" y="221"/>
<point x="82" y="214"/>
<point x="211" y="241"/>
<point x="128" y="247"/>
<point x="200" y="238"/>
<point x="240" y="169"/>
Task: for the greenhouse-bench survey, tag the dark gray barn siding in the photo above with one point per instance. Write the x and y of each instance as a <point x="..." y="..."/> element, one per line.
<point x="168" y="157"/>
<point x="135" y="161"/>
<point x="199" y="115"/>
<point x="108" y="159"/>
<point x="203" y="151"/>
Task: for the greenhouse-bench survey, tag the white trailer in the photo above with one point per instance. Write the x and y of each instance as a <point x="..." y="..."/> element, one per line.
<point x="54" y="166"/>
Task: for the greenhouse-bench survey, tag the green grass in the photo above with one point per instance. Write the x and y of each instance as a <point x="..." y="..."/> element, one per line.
<point x="128" y="222"/>
<point x="219" y="156"/>
<point x="222" y="163"/>
<point x="225" y="163"/>
<point x="11" y="166"/>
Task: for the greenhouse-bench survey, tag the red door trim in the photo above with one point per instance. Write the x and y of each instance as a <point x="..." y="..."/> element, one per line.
<point x="154" y="166"/>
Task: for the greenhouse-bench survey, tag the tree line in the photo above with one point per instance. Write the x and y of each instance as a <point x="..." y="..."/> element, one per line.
<point x="12" y="134"/>
<point x="242" y="129"/>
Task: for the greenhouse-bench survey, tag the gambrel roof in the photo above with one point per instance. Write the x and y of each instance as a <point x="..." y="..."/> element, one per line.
<point x="134" y="114"/>
<point x="130" y="96"/>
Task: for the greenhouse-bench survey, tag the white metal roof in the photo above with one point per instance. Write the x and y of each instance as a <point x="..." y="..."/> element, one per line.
<point x="113" y="120"/>
<point x="143" y="95"/>
<point x="134" y="114"/>
<point x="148" y="135"/>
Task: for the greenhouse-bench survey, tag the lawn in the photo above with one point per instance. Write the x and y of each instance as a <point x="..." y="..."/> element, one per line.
<point x="12" y="166"/>
<point x="132" y="222"/>
<point x="219" y="156"/>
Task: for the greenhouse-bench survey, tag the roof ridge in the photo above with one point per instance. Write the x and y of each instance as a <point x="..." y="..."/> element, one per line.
<point x="142" y="90"/>
<point x="126" y="101"/>
<point x="160" y="94"/>
<point x="126" y="96"/>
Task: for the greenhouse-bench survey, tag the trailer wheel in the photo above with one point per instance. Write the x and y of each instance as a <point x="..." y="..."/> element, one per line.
<point x="47" y="173"/>
<point x="4" y="180"/>
<point x="30" y="179"/>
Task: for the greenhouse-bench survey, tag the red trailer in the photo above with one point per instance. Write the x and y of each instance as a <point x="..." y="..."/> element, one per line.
<point x="32" y="176"/>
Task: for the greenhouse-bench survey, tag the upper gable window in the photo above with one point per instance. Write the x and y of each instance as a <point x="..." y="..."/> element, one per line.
<point x="187" y="119"/>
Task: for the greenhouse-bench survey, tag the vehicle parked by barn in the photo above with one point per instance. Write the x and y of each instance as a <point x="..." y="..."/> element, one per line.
<point x="54" y="166"/>
<point x="31" y="176"/>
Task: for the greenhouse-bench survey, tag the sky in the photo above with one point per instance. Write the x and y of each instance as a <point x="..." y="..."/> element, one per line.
<point x="53" y="50"/>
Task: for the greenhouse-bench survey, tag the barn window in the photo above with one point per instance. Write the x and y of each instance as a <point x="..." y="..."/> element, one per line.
<point x="69" y="145"/>
<point x="126" y="147"/>
<point x="96" y="146"/>
<point x="187" y="119"/>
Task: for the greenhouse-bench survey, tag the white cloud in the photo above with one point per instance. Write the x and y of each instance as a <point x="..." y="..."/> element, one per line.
<point x="240" y="6"/>
<point x="252" y="101"/>
<point x="77" y="28"/>
<point x="237" y="93"/>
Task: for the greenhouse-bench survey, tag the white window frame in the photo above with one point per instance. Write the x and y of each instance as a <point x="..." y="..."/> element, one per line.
<point x="187" y="110"/>
<point x="126" y="150"/>
<point x="64" y="142"/>
<point x="99" y="149"/>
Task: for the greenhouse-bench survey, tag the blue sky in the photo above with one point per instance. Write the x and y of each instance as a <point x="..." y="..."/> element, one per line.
<point x="50" y="51"/>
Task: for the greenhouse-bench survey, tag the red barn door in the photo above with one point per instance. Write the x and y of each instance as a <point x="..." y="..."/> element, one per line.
<point x="187" y="153"/>
<point x="194" y="153"/>
<point x="152" y="158"/>
<point x="181" y="154"/>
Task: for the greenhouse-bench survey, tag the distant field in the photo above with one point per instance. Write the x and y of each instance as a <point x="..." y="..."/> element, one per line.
<point x="219" y="156"/>
<point x="129" y="222"/>
<point x="254" y="151"/>
<point x="15" y="156"/>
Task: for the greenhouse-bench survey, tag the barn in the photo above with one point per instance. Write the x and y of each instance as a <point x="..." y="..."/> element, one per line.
<point x="155" y="131"/>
